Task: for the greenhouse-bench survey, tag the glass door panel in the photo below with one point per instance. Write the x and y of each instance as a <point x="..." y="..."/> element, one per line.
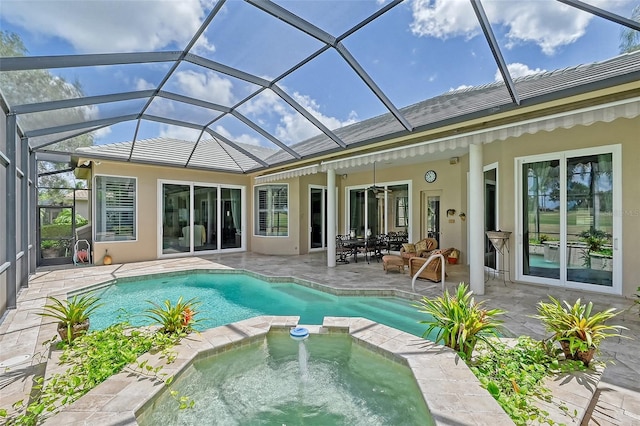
<point x="397" y="209"/>
<point x="56" y="232"/>
<point x="176" y="202"/>
<point x="205" y="215"/>
<point x="317" y="220"/>
<point x="231" y="221"/>
<point x="433" y="218"/>
<point x="357" y="212"/>
<point x="541" y="210"/>
<point x="589" y="214"/>
<point x="490" y="257"/>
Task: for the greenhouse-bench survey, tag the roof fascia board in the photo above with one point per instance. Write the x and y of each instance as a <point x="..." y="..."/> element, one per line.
<point x="92" y="156"/>
<point x="293" y="20"/>
<point x="265" y="134"/>
<point x="629" y="23"/>
<point x="346" y="55"/>
<point x="24" y="63"/>
<point x="326" y="164"/>
<point x="233" y="72"/>
<point x="76" y="102"/>
<point x="77" y="126"/>
<point x="306" y="114"/>
<point x="495" y="49"/>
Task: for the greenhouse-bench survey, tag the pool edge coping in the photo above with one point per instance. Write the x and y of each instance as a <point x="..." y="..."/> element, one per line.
<point x="448" y="386"/>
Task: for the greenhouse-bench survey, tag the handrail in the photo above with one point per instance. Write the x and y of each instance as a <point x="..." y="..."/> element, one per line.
<point x="429" y="259"/>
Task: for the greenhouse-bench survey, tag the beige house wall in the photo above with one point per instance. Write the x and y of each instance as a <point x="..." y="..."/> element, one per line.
<point x="621" y="131"/>
<point x="146" y="245"/>
<point x="451" y="186"/>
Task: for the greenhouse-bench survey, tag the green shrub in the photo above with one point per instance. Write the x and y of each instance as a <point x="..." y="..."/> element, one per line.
<point x="64" y="218"/>
<point x="178" y="318"/>
<point x="460" y="321"/>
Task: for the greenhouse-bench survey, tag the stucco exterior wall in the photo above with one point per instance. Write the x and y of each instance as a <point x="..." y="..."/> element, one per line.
<point x="146" y="245"/>
<point x="289" y="245"/>
<point x="621" y="131"/>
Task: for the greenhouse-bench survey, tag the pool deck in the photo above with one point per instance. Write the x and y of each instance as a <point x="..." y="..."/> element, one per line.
<point x="616" y="400"/>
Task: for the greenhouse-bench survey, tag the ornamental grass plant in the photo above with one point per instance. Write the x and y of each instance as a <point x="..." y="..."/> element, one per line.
<point x="578" y="329"/>
<point x="178" y="318"/>
<point x="72" y="314"/>
<point x="460" y="321"/>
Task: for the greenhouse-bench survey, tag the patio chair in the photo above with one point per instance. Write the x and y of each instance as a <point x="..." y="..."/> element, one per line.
<point x="81" y="252"/>
<point x="420" y="249"/>
<point x="433" y="271"/>
<point x="342" y="251"/>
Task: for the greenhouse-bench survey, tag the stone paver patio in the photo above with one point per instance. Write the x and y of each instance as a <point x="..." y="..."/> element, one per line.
<point x="617" y="400"/>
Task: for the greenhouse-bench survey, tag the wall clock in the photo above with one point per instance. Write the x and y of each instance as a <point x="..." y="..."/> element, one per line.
<point x="430" y="176"/>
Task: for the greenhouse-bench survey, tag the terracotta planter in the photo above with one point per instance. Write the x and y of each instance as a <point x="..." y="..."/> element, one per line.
<point x="584" y="356"/>
<point x="452" y="260"/>
<point x="76" y="330"/>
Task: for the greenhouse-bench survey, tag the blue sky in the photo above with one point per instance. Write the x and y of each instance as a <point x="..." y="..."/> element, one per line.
<point x="419" y="49"/>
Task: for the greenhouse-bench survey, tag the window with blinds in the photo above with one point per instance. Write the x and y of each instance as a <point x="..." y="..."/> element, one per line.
<point x="115" y="208"/>
<point x="272" y="210"/>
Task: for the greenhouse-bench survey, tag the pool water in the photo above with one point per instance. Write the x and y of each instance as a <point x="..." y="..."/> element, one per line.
<point x="227" y="298"/>
<point x="265" y="383"/>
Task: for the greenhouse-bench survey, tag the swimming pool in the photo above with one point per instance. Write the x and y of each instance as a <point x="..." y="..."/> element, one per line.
<point x="231" y="297"/>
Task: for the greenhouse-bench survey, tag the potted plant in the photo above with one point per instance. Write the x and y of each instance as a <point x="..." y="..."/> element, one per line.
<point x="72" y="314"/>
<point x="596" y="255"/>
<point x="453" y="257"/>
<point x="459" y="320"/>
<point x="578" y="329"/>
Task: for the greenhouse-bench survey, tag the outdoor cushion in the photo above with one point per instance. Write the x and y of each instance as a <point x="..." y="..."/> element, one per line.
<point x="422" y="245"/>
<point x="409" y="247"/>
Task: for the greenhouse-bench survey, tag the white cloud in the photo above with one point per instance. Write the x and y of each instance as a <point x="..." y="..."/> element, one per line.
<point x="243" y="138"/>
<point x="516" y="70"/>
<point x="142" y="84"/>
<point x="208" y="86"/>
<point x="102" y="133"/>
<point x="549" y="24"/>
<point x="443" y="18"/>
<point x="292" y="127"/>
<point x="113" y="26"/>
<point x="461" y="87"/>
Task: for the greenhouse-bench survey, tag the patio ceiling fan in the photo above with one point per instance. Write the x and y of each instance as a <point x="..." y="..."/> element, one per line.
<point x="377" y="190"/>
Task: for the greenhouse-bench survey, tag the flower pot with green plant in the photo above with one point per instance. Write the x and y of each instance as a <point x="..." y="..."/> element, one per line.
<point x="72" y="314"/>
<point x="577" y="328"/>
<point x="596" y="254"/>
<point x="460" y="321"/>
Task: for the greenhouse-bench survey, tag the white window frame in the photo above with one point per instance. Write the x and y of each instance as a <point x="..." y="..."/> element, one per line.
<point x="97" y="209"/>
<point x="616" y="158"/>
<point x="270" y="209"/>
<point x="192" y="185"/>
<point x="409" y="207"/>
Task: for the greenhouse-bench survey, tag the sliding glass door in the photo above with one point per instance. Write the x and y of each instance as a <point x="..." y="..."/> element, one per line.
<point x="570" y="234"/>
<point x="190" y="217"/>
<point x="378" y="212"/>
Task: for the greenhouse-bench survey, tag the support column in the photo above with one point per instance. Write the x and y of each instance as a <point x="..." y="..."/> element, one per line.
<point x="33" y="211"/>
<point x="331" y="218"/>
<point x="10" y="205"/>
<point x="24" y="213"/>
<point x="476" y="219"/>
